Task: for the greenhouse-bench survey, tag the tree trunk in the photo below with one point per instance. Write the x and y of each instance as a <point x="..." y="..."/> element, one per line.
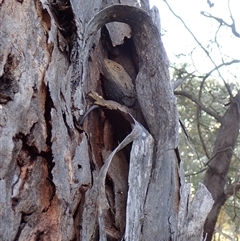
<point x="216" y="176"/>
<point x="113" y="173"/>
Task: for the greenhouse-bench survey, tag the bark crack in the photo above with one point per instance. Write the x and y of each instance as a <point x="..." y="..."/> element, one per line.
<point x="47" y="115"/>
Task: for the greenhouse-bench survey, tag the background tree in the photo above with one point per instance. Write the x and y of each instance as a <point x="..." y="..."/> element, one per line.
<point x="64" y="177"/>
<point x="210" y="111"/>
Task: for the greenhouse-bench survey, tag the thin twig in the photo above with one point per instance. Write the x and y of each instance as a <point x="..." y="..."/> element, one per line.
<point x="196" y="173"/>
<point x="207" y="53"/>
<point x="200" y="133"/>
<point x="199" y="103"/>
<point x="222" y="22"/>
<point x="232" y="189"/>
<point x="223" y="64"/>
<point x="222" y="150"/>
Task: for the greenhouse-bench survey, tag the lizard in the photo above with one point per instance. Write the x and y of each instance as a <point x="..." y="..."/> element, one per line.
<point x="118" y="85"/>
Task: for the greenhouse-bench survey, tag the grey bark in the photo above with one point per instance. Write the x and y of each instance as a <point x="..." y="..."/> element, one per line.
<point x="216" y="175"/>
<point x="60" y="182"/>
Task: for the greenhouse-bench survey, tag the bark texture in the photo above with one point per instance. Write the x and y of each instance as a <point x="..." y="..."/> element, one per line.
<point x="216" y="175"/>
<point x="116" y="176"/>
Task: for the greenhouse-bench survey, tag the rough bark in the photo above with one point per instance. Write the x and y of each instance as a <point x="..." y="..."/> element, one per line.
<point x="62" y="181"/>
<point x="216" y="175"/>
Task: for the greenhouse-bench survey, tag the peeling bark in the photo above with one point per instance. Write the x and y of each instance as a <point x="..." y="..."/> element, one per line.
<point x="63" y="181"/>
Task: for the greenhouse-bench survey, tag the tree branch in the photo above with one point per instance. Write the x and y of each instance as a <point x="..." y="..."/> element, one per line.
<point x="207" y="53"/>
<point x="232" y="189"/>
<point x="196" y="173"/>
<point x="221" y="65"/>
<point x="222" y="22"/>
<point x="200" y="132"/>
<point x="210" y="3"/>
<point x="200" y="104"/>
